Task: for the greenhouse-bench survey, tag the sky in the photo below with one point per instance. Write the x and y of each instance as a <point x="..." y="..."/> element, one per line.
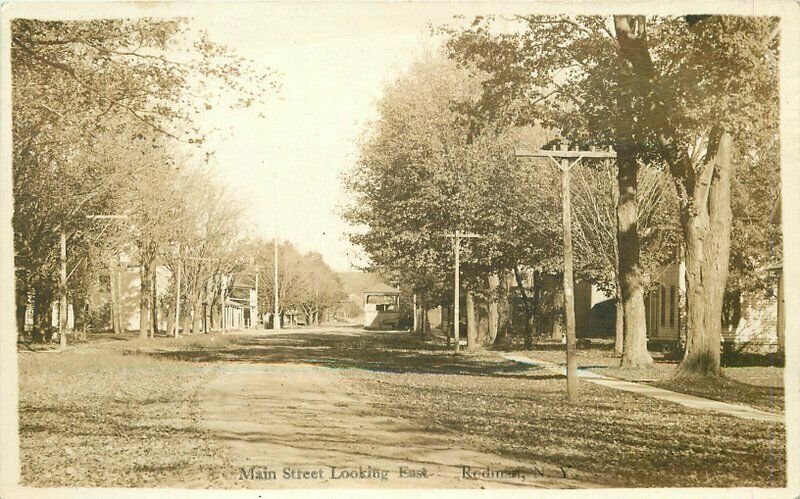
<point x="334" y="61"/>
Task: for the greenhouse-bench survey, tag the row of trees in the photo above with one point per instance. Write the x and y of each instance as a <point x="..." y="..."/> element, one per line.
<point x="307" y="286"/>
<point x="108" y="159"/>
<point x="681" y="100"/>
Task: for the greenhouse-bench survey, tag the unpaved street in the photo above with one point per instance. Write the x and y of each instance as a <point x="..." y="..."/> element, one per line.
<point x="290" y="419"/>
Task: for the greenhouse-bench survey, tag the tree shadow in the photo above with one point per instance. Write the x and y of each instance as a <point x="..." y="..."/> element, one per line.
<point x="394" y="352"/>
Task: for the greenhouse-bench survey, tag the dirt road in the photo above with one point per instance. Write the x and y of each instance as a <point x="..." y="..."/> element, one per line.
<point x="303" y="426"/>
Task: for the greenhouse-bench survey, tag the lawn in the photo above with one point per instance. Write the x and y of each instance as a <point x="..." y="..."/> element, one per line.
<point x="757" y="386"/>
<point x="126" y="413"/>
<point x="107" y="419"/>
<point x="611" y="437"/>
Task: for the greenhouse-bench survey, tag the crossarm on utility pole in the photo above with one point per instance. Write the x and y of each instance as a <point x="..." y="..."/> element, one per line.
<point x="544" y="153"/>
<point x="561" y="158"/>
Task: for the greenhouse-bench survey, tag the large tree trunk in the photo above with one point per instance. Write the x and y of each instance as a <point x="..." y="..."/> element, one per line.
<point x="505" y="306"/>
<point x="79" y="315"/>
<point x="632" y="37"/>
<point x="197" y="308"/>
<point x="619" y="327"/>
<point x="494" y="314"/>
<point x="706" y="222"/>
<point x="472" y="323"/>
<point x="619" y="323"/>
<point x="635" y="354"/>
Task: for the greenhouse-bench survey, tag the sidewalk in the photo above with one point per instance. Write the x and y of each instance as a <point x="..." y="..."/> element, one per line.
<point x="736" y="410"/>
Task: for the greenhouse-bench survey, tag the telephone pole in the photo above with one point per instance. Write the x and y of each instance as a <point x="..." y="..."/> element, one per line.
<point x="276" y="318"/>
<point x="62" y="292"/>
<point x="564" y="155"/>
<point x="254" y="323"/>
<point x="63" y="306"/>
<point x="457" y="236"/>
<point x="178" y="293"/>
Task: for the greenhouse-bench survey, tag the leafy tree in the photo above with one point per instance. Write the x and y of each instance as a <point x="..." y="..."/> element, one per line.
<point x="563" y="74"/>
<point x="595" y="228"/>
<point x="705" y="81"/>
<point x="305" y="282"/>
<point x="425" y="171"/>
<point x="87" y="91"/>
<point x="671" y="91"/>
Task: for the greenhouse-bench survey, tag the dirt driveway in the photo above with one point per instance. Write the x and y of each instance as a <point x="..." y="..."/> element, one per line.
<point x="302" y="426"/>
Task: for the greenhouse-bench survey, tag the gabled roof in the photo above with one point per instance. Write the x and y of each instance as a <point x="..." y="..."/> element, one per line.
<point x="244" y="281"/>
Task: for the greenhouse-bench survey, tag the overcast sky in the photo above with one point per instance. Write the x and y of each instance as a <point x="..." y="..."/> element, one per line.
<point x="334" y="61"/>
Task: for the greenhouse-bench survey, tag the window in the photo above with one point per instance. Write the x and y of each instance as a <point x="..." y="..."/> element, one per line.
<point x="663" y="306"/>
<point x="672" y="306"/>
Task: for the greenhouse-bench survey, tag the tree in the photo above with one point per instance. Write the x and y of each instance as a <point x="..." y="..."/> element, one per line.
<point x="305" y="282"/>
<point x="425" y="172"/>
<point x="83" y="91"/>
<point x="595" y="230"/>
<point x="672" y="91"/>
<point x="562" y="73"/>
<point x="709" y="80"/>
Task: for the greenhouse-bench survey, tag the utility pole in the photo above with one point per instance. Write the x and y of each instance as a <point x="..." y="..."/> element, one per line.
<point x="457" y="236"/>
<point x="222" y="301"/>
<point x="62" y="291"/>
<point x="276" y="318"/>
<point x="63" y="277"/>
<point x="178" y="293"/>
<point x="564" y="155"/>
<point x="257" y="314"/>
<point x="416" y="313"/>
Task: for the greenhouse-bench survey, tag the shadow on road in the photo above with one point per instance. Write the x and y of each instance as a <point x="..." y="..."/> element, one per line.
<point x="370" y="350"/>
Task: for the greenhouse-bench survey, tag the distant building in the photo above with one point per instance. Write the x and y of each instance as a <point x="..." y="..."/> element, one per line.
<point x="127" y="281"/>
<point x="241" y="307"/>
<point x="377" y="302"/>
<point x="381" y="307"/>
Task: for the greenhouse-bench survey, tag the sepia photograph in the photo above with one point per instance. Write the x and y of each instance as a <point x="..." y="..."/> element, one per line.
<point x="356" y="247"/>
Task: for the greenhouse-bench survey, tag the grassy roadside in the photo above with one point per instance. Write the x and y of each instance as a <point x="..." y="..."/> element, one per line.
<point x="106" y="419"/>
<point x="611" y="437"/>
<point x="99" y="417"/>
<point x="760" y="387"/>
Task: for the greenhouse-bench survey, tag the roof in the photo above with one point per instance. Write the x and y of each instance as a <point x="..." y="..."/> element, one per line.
<point x="384" y="290"/>
<point x="244" y="281"/>
<point x="365" y="282"/>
